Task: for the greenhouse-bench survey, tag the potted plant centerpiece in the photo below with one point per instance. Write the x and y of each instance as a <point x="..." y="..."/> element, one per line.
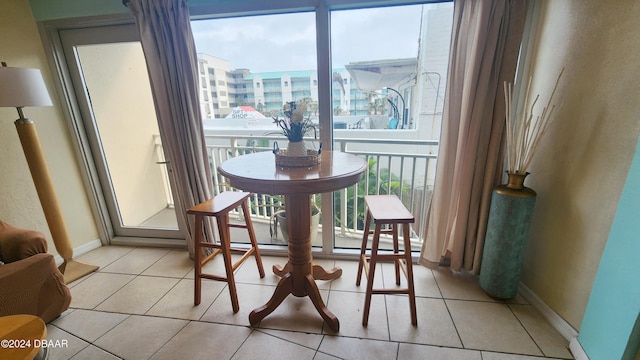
<point x="511" y="210"/>
<point x="295" y="126"/>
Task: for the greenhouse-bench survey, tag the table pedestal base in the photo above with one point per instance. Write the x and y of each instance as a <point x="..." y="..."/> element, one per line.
<point x="299" y="274"/>
<point x="299" y="283"/>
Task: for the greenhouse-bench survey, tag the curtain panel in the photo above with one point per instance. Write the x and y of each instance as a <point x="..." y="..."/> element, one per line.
<point x="485" y="45"/>
<point x="169" y="50"/>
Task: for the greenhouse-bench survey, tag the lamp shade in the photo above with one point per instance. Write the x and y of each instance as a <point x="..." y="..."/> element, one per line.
<point x="22" y="87"/>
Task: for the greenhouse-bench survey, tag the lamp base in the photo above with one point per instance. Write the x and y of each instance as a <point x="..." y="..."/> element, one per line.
<point x="74" y="270"/>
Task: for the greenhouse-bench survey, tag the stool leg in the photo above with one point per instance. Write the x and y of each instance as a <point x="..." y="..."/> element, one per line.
<point x="363" y="247"/>
<point x="370" y="275"/>
<point x="225" y="244"/>
<point x="197" y="261"/>
<point x="396" y="250"/>
<point x="409" y="265"/>
<point x="252" y="236"/>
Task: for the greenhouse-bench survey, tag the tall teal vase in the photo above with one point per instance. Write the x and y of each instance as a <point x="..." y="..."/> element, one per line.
<point x="505" y="243"/>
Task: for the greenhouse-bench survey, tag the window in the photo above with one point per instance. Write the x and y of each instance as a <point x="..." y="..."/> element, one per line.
<point x="375" y="73"/>
<point x="252" y="48"/>
<point x="386" y="72"/>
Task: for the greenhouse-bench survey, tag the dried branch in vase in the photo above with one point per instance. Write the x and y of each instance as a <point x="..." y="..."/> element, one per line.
<point x="524" y="129"/>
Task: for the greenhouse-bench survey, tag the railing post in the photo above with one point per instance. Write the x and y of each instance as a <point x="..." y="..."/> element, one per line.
<point x="343" y="211"/>
<point x="373" y="182"/>
<point x="234" y="146"/>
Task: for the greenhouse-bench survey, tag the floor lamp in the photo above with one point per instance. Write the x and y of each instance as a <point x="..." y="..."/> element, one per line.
<point x="20" y="87"/>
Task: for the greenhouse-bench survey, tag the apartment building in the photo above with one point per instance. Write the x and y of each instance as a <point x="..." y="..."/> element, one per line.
<point x="222" y="89"/>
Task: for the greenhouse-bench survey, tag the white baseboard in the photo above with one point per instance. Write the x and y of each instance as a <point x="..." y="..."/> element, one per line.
<point x="80" y="250"/>
<point x="563" y="327"/>
<point x="83" y="249"/>
<point x="560" y="324"/>
<point x="577" y="350"/>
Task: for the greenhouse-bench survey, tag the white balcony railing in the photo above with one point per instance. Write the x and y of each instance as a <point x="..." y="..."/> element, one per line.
<point x="402" y="167"/>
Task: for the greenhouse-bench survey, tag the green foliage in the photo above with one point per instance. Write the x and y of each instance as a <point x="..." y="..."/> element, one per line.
<point x="380" y="182"/>
<point x="251" y="146"/>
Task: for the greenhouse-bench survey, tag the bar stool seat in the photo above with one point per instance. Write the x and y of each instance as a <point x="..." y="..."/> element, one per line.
<point x="219" y="207"/>
<point x="387" y="210"/>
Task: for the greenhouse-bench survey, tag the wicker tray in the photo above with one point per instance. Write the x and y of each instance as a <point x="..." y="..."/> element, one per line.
<point x="282" y="159"/>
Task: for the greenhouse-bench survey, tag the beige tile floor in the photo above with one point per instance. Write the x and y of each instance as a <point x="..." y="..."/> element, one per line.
<point x="139" y="305"/>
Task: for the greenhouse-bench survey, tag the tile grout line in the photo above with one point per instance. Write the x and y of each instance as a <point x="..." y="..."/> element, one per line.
<point x="169" y="340"/>
<point x="163" y="295"/>
<point x="525" y="329"/>
<point x="92" y="343"/>
<point x="386" y="305"/>
<point x="261" y="330"/>
<point x="212" y="302"/>
<point x="447" y="307"/>
<point x="254" y="329"/>
<point x="293" y="331"/>
<point x="108" y="297"/>
<point x="160" y="258"/>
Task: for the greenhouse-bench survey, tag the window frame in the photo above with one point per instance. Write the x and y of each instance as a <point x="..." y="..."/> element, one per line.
<point x="322" y="10"/>
<point x="211" y="10"/>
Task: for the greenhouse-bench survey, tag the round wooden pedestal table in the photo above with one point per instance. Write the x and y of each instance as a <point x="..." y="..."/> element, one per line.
<point x="259" y="173"/>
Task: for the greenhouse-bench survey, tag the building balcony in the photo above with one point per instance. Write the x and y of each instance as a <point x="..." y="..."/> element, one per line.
<point x="406" y="171"/>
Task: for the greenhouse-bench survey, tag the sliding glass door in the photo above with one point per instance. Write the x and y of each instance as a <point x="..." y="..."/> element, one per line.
<point x="372" y="77"/>
<point x="389" y="68"/>
<point x="109" y="77"/>
<point x="250" y="68"/>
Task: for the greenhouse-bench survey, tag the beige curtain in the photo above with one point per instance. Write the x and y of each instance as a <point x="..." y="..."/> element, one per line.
<point x="484" y="50"/>
<point x="169" y="49"/>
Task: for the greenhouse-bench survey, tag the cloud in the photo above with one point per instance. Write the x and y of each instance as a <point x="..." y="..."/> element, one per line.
<point x="288" y="41"/>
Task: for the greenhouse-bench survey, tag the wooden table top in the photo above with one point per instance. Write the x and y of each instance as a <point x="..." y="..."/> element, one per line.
<point x="258" y="173"/>
<point x="17" y="333"/>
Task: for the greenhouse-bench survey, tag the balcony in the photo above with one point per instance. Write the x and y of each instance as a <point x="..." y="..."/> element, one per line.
<point x="397" y="166"/>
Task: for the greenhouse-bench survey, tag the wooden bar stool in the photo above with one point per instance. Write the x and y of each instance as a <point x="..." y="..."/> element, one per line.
<point x="219" y="207"/>
<point x="387" y="210"/>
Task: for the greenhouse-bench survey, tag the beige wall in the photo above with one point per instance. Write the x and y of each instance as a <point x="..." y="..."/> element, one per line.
<point x="582" y="164"/>
<point x="20" y="46"/>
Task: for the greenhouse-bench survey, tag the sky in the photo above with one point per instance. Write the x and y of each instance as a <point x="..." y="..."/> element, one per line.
<point x="287" y="41"/>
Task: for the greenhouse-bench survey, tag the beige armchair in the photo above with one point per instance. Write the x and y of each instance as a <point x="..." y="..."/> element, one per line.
<point x="30" y="282"/>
